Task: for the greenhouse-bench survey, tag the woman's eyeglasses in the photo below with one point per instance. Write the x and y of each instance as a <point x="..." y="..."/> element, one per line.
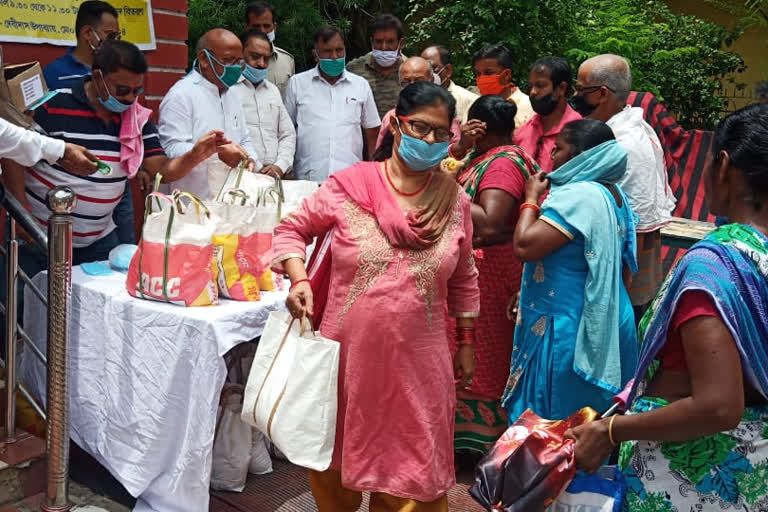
<point x="422" y="129"/>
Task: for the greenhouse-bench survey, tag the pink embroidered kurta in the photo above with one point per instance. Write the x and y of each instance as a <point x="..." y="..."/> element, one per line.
<point x="386" y="306"/>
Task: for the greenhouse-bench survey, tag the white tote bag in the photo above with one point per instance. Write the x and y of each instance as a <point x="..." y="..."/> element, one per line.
<point x="291" y="391"/>
<point x="294" y="192"/>
<point x="231" y="447"/>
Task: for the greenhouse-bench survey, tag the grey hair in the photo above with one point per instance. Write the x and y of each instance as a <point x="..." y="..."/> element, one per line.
<point x="611" y="71"/>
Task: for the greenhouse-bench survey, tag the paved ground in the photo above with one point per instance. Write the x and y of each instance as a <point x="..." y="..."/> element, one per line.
<point x="83" y="499"/>
<point x="286" y="489"/>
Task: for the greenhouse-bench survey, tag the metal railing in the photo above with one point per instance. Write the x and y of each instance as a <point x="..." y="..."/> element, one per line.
<point x="57" y="244"/>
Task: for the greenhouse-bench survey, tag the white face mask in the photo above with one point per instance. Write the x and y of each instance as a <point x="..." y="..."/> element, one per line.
<point x="386" y="58"/>
<point x="436" y="78"/>
<point x="271" y="36"/>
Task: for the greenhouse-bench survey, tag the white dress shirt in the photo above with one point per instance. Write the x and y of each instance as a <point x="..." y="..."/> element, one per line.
<point x="328" y="121"/>
<point x="27" y="147"/>
<point x="645" y="181"/>
<point x="464" y="100"/>
<point x="192" y="108"/>
<point x="272" y="131"/>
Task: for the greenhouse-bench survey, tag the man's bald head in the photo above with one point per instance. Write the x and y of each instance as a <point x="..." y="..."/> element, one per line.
<point x="611" y="71"/>
<point x="218" y="39"/>
<point x="224" y="48"/>
<point x="415" y="69"/>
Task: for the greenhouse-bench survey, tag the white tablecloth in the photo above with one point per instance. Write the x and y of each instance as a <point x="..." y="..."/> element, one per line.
<point x="145" y="379"/>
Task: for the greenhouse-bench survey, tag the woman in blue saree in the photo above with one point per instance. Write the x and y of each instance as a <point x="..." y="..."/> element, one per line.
<point x="696" y="436"/>
<point x="575" y="340"/>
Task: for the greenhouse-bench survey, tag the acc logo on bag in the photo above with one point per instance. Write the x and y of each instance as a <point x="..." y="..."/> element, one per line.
<point x="154" y="286"/>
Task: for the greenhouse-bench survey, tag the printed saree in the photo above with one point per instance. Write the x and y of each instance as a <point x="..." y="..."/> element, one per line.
<point x="480" y="420"/>
<point x="727" y="470"/>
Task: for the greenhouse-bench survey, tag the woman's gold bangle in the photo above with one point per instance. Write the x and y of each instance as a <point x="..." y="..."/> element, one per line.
<point x="610" y="431"/>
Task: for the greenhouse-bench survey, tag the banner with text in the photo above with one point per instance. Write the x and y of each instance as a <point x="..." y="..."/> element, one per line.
<point x="53" y="21"/>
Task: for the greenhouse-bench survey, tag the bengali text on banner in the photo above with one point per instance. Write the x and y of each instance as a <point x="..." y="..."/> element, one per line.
<point x="53" y="21"/>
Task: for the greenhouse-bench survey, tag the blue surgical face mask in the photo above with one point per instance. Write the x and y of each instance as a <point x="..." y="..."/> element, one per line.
<point x="333" y="67"/>
<point x="419" y="155"/>
<point x="111" y="103"/>
<point x="255" y="75"/>
<point x="231" y="73"/>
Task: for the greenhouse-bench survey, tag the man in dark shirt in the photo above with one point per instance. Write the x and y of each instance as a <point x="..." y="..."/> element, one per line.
<point x="96" y="22"/>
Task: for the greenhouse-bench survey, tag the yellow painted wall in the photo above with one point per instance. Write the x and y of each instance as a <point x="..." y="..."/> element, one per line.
<point x="752" y="46"/>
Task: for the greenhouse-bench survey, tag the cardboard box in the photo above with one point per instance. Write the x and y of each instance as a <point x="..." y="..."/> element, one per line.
<point x="8" y="109"/>
<point x="26" y="84"/>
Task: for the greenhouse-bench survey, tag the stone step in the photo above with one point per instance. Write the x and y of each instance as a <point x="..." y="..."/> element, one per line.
<point x="82" y="499"/>
<point x="22" y="467"/>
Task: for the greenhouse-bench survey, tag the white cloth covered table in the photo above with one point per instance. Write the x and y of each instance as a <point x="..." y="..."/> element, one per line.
<point x="145" y="379"/>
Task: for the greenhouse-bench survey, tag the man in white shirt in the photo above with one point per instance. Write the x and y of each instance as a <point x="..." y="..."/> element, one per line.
<point x="441" y="60"/>
<point x="272" y="131"/>
<point x="201" y="102"/>
<point x="26" y="147"/>
<point x="329" y="107"/>
<point x="602" y="88"/>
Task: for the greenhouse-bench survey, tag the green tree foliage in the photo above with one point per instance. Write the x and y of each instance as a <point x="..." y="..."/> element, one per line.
<point x="751" y="12"/>
<point x="530" y="28"/>
<point x="682" y="59"/>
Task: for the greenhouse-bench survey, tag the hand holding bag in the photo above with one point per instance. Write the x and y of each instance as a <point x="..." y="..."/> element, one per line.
<point x="291" y="395"/>
<point x="530" y="465"/>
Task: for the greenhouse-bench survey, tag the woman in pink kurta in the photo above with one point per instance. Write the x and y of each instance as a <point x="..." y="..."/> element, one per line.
<point x="394" y="271"/>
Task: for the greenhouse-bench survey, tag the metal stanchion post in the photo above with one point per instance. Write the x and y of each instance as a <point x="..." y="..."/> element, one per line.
<point x="12" y="262"/>
<point x="61" y="201"/>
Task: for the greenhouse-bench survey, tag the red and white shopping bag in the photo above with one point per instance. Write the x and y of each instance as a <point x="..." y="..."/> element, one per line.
<point x="243" y="249"/>
<point x="245" y="219"/>
<point x="174" y="260"/>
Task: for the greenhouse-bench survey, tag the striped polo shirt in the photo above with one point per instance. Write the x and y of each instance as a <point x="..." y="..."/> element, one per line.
<point x="70" y="116"/>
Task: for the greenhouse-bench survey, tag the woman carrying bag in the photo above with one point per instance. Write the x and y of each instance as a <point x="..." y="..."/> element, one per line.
<point x="401" y="252"/>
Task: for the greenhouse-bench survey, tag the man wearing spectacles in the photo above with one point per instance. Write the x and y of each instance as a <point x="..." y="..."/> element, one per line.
<point x="602" y="88"/>
<point x="417" y="69"/>
<point x="204" y="101"/>
<point x="95" y="23"/>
